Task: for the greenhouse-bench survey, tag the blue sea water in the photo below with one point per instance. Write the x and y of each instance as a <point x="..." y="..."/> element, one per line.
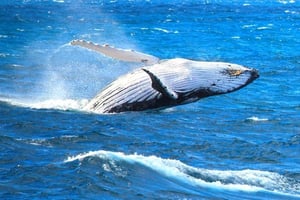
<point x="242" y="145"/>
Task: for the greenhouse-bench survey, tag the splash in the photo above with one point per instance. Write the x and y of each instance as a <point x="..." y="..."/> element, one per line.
<point x="57" y="104"/>
<point x="75" y="72"/>
<point x="61" y="104"/>
<point x="63" y="72"/>
<point x="243" y="180"/>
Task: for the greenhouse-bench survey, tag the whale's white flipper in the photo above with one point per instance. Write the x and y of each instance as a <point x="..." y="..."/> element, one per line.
<point x="159" y="86"/>
<point x="120" y="54"/>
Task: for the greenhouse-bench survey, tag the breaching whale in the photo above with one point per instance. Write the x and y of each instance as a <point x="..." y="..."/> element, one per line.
<point x="164" y="83"/>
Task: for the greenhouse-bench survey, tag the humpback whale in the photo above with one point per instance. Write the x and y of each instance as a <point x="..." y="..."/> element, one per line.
<point x="164" y="83"/>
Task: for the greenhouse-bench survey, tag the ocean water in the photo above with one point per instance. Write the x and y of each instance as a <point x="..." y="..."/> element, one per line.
<point x="242" y="145"/>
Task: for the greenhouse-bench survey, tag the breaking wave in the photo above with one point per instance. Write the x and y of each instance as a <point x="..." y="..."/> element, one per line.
<point x="241" y="180"/>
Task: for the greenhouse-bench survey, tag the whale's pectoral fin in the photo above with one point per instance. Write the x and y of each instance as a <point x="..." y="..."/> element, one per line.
<point x="159" y="86"/>
<point x="120" y="54"/>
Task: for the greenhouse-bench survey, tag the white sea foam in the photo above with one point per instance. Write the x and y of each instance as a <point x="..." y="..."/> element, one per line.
<point x="263" y="28"/>
<point x="256" y="119"/>
<point x="165" y="30"/>
<point x="286" y="1"/>
<point x="59" y="104"/>
<point x="3" y="36"/>
<point x="162" y="30"/>
<point x="64" y="104"/>
<point x="236" y="37"/>
<point x="243" y="180"/>
<point x="59" y="1"/>
<point x="248" y="26"/>
<point x="246" y="4"/>
<point x="3" y="55"/>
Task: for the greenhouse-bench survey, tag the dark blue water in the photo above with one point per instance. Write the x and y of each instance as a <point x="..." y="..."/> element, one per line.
<point x="243" y="145"/>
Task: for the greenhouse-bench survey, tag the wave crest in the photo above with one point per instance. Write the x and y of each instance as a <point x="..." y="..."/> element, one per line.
<point x="242" y="180"/>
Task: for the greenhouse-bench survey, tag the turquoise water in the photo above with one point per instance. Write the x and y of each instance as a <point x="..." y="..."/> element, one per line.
<point x="242" y="145"/>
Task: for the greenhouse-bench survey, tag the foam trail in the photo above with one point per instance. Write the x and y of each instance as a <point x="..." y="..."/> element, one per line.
<point x="59" y="104"/>
<point x="243" y="180"/>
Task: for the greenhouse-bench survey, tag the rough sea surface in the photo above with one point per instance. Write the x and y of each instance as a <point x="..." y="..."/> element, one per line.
<point x="242" y="145"/>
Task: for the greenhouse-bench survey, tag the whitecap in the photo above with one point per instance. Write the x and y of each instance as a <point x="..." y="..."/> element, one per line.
<point x="98" y="29"/>
<point x="263" y="28"/>
<point x="168" y="20"/>
<point x="59" y="1"/>
<point x="286" y="2"/>
<point x="248" y="26"/>
<point x="162" y="30"/>
<point x="291" y="12"/>
<point x="3" y="55"/>
<point x="240" y="180"/>
<point x="236" y="37"/>
<point x="256" y="119"/>
<point x="165" y="30"/>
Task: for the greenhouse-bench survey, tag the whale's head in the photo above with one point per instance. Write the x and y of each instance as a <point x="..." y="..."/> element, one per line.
<point x="193" y="80"/>
<point x="226" y="77"/>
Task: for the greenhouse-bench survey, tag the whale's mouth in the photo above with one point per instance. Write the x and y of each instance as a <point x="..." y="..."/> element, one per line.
<point x="253" y="75"/>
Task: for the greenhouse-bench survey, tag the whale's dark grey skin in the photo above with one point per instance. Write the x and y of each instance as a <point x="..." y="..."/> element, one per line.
<point x="165" y="83"/>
